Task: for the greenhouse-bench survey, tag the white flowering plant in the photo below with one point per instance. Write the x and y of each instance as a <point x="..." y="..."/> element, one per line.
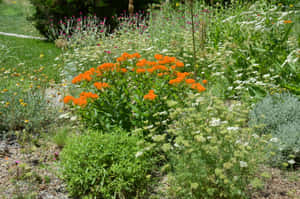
<point x="213" y="153"/>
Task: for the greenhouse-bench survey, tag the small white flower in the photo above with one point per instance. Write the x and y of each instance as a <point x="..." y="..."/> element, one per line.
<point x="243" y="164"/>
<point x="275" y="140"/>
<point x="138" y="154"/>
<point x="215" y="122"/>
<point x="291" y="161"/>
<point x="233" y="128"/>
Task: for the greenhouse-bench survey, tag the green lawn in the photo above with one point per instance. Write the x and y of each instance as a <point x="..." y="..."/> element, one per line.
<point x="28" y="54"/>
<point x="23" y="55"/>
<point x="13" y="18"/>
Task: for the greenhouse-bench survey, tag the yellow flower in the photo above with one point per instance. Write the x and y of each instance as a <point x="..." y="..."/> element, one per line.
<point x="21" y="100"/>
<point x="177" y="4"/>
<point x="280" y="4"/>
<point x="4" y="90"/>
<point x="15" y="93"/>
<point x="24" y="104"/>
<point x="42" y="55"/>
<point x="291" y="5"/>
<point x="26" y="121"/>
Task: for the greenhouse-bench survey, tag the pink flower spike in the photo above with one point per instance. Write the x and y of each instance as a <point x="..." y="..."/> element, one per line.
<point x="17" y="161"/>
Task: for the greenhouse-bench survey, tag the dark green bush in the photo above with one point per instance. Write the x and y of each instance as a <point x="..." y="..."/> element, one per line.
<point x="279" y="115"/>
<point x="57" y="10"/>
<point x="106" y="166"/>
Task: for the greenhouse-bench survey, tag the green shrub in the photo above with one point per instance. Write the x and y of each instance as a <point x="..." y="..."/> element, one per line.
<point x="214" y="154"/>
<point x="96" y="165"/>
<point x="279" y="115"/>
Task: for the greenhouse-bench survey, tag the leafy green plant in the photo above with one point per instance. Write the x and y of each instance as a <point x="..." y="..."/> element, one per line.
<point x="213" y="153"/>
<point x="96" y="165"/>
<point x="279" y="115"/>
<point x="131" y="93"/>
<point x="61" y="136"/>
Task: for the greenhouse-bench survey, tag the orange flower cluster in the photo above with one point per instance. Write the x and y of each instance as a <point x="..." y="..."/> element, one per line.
<point x="198" y="86"/>
<point x="150" y="95"/>
<point x="164" y="65"/>
<point x="83" y="76"/>
<point x="126" y="56"/>
<point x="100" y="85"/>
<point x="190" y="81"/>
<point x="180" y="78"/>
<point x="107" y="67"/>
<point x="82" y="100"/>
<point x="287" y="21"/>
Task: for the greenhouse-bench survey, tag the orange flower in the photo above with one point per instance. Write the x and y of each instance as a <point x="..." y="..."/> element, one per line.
<point x="151" y="63"/>
<point x="150" y="95"/>
<point x="151" y="70"/>
<point x="161" y="74"/>
<point x="81" y="101"/>
<point x="158" y="57"/>
<point x="176" y="81"/>
<point x="124" y="70"/>
<point x="106" y="66"/>
<point x="68" y="98"/>
<point x="161" y="67"/>
<point x="100" y="85"/>
<point x="89" y="95"/>
<point x="182" y="75"/>
<point x="287" y="21"/>
<point x="190" y="81"/>
<point x="120" y="59"/>
<point x="136" y="55"/>
<point x="141" y="63"/>
<point x="204" y="81"/>
<point x="140" y="70"/>
<point x="179" y="64"/>
<point x="198" y="86"/>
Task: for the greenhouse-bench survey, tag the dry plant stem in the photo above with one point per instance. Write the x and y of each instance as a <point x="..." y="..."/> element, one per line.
<point x="193" y="35"/>
<point x="130" y="7"/>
